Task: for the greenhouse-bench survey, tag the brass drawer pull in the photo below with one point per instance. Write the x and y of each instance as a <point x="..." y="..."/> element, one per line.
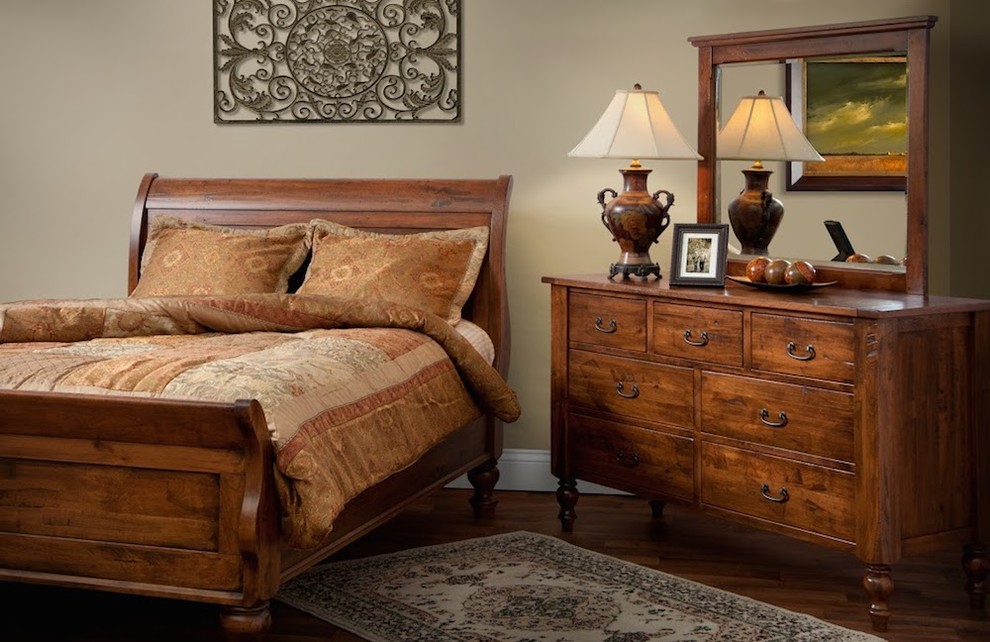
<point x="765" y="414"/>
<point x="784" y="496"/>
<point x="626" y="395"/>
<point x="810" y="352"/>
<point x="629" y="462"/>
<point x="612" y="326"/>
<point x="691" y="342"/>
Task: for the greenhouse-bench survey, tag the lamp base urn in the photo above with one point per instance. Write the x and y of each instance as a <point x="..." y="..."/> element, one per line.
<point x="755" y="214"/>
<point x="636" y="219"/>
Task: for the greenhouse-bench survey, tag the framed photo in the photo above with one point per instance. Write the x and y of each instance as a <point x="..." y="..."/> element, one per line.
<point x="699" y="254"/>
<point x="854" y="112"/>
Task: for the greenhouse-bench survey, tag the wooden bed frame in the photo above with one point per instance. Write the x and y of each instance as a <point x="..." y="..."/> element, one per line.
<point x="176" y="499"/>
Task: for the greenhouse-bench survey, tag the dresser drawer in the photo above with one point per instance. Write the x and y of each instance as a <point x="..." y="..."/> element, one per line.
<point x="694" y="332"/>
<point x="606" y="321"/>
<point x="630" y="458"/>
<point x="801" y="418"/>
<point x="811" y="498"/>
<point x="631" y="388"/>
<point x="805" y="347"/>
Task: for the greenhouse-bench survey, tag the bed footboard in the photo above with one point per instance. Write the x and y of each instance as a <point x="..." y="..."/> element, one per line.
<point x="133" y="495"/>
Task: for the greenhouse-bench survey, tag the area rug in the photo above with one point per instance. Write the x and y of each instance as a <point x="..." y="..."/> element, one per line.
<point x="524" y="587"/>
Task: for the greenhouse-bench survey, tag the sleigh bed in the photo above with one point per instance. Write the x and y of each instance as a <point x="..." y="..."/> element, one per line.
<point x="132" y="472"/>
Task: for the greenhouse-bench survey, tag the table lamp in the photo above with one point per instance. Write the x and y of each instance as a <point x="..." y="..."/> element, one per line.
<point x="760" y="128"/>
<point x="635" y="125"/>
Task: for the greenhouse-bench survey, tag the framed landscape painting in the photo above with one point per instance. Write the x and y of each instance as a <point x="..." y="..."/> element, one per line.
<point x="854" y="112"/>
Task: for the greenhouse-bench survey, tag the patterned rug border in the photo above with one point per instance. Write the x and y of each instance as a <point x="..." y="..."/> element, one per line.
<point x="356" y="614"/>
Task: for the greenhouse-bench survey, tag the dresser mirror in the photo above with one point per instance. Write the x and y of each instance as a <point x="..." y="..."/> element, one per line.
<point x="877" y="222"/>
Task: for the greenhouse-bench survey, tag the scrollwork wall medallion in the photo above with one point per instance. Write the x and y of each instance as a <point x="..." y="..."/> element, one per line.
<point x="336" y="60"/>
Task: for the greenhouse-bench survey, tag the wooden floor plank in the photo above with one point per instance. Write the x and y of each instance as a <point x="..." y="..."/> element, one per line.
<point x="929" y="604"/>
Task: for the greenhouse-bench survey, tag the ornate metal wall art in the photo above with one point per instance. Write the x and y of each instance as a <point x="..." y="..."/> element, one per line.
<point x="336" y="60"/>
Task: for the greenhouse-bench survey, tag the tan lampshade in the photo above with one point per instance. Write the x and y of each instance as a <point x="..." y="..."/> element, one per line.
<point x="761" y="128"/>
<point x="635" y="125"/>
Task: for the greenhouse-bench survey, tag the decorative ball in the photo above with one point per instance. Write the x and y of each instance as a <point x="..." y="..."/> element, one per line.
<point x="800" y="273"/>
<point x="755" y="269"/>
<point x="885" y="259"/>
<point x="858" y="258"/>
<point x="774" y="273"/>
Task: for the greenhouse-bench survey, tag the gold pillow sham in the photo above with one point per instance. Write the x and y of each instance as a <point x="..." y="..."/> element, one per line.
<point x="434" y="271"/>
<point x="184" y="257"/>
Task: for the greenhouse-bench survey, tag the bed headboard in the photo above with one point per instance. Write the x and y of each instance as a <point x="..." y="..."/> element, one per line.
<point x="390" y="206"/>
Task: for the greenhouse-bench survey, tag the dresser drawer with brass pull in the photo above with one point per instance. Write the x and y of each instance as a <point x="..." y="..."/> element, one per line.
<point x="792" y="493"/>
<point x="609" y="322"/>
<point x="799" y="418"/>
<point x="631" y="458"/>
<point x="631" y="388"/>
<point x="804" y="347"/>
<point x="699" y="333"/>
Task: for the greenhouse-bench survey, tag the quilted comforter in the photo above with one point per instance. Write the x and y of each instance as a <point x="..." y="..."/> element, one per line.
<point x="352" y="392"/>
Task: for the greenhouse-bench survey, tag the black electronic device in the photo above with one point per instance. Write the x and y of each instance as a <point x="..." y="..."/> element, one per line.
<point x="840" y="239"/>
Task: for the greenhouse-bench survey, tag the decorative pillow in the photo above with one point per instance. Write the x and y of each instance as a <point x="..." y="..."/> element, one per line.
<point x="434" y="271"/>
<point x="188" y="257"/>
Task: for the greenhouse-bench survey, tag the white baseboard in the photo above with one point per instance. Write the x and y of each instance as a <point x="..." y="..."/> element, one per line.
<point x="529" y="470"/>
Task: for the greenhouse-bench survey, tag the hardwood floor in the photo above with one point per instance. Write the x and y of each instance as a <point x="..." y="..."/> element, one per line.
<point x="929" y="603"/>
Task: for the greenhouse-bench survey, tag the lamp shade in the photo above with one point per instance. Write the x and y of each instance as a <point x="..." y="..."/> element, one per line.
<point x="635" y="125"/>
<point x="761" y="128"/>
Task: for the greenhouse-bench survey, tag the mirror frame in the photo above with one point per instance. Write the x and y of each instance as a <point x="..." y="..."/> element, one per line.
<point x="898" y="35"/>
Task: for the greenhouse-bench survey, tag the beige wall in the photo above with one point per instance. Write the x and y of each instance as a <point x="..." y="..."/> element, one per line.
<point x="94" y="94"/>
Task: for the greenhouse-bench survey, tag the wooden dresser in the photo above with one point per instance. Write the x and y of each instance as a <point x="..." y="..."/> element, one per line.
<point x="850" y="418"/>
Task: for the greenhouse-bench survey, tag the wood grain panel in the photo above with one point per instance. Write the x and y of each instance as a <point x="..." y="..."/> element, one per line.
<point x="936" y="483"/>
<point x="818" y="499"/>
<point x="109" y="504"/>
<point x="95" y="565"/>
<point x="804" y="347"/>
<point x="631" y="458"/>
<point x="108" y="452"/>
<point x="816" y="421"/>
<point x="630" y="388"/>
<point x="716" y="335"/>
<point x="610" y="322"/>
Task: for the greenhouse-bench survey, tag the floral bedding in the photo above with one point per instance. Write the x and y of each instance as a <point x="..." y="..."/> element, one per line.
<point x="352" y="391"/>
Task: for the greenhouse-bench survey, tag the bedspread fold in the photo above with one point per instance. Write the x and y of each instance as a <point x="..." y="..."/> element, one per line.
<point x="83" y="319"/>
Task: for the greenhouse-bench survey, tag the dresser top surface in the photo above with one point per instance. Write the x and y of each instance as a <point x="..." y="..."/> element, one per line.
<point x="828" y="300"/>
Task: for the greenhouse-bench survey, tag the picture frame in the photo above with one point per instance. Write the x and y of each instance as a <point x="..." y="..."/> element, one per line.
<point x="853" y="111"/>
<point x="699" y="254"/>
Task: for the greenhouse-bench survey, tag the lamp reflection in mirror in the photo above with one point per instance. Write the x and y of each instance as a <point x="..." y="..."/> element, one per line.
<point x="635" y="126"/>
<point x="761" y="128"/>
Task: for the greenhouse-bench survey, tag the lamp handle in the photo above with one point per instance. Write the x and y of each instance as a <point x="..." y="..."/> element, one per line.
<point x="665" y="217"/>
<point x="601" y="201"/>
<point x="766" y="200"/>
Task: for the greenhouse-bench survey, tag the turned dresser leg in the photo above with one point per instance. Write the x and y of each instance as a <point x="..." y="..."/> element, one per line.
<point x="483" y="479"/>
<point x="656" y="508"/>
<point x="976" y="564"/>
<point x="567" y="497"/>
<point x="879" y="587"/>
<point x="246" y="624"/>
